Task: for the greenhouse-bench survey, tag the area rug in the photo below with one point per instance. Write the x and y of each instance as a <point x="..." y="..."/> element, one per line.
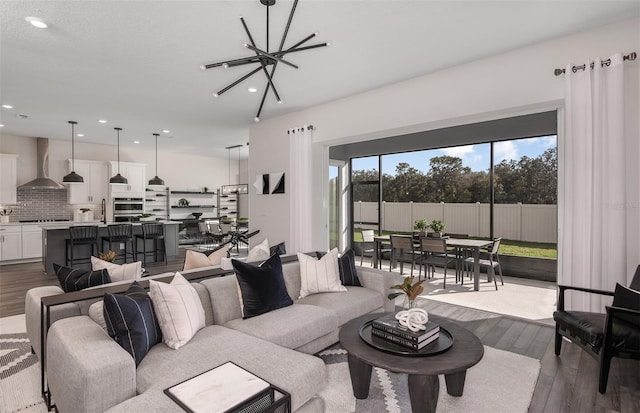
<point x="502" y="382"/>
<point x="484" y="392"/>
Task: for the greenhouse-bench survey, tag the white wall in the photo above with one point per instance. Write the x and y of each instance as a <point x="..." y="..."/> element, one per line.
<point x="179" y="171"/>
<point x="509" y="84"/>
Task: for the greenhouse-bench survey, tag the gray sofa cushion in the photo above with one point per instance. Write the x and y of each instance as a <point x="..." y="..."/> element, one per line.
<point x="300" y="374"/>
<point x="290" y="327"/>
<point x="356" y="301"/>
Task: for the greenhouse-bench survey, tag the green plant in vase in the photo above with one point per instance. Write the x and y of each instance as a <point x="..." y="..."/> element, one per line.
<point x="409" y="289"/>
<point x="420" y="225"/>
<point x="437" y="226"/>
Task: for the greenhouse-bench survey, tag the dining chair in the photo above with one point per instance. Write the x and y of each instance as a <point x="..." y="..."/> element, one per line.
<point x="402" y="249"/>
<point x="461" y="254"/>
<point x="434" y="252"/>
<point x="367" y="245"/>
<point x="492" y="263"/>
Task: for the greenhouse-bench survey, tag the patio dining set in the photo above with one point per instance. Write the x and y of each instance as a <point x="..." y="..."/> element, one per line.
<point x="429" y="250"/>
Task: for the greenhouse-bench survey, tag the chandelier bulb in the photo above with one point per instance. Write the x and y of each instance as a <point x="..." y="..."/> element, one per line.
<point x="225" y="65"/>
<point x="202" y="67"/>
<point x="245" y="45"/>
<point x="215" y="95"/>
<point x="280" y="102"/>
<point x="328" y="43"/>
<point x="256" y="119"/>
<point x="316" y="33"/>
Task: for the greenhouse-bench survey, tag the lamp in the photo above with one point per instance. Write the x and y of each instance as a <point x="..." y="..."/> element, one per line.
<point x="118" y="179"/>
<point x="156" y="180"/>
<point x="264" y="58"/>
<point x="73" y="177"/>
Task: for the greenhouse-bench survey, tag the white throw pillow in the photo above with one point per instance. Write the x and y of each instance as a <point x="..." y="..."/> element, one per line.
<point x="320" y="276"/>
<point x="260" y="252"/>
<point x="194" y="259"/>
<point x="178" y="309"/>
<point x="131" y="271"/>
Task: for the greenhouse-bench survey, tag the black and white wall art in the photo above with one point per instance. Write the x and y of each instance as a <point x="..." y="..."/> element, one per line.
<point x="266" y="184"/>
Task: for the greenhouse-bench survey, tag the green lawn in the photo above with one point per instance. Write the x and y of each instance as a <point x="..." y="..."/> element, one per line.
<point x="509" y="247"/>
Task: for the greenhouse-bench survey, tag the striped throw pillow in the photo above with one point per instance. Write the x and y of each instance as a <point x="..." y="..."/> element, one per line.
<point x="131" y="321"/>
<point x="76" y="279"/>
<point x="178" y="308"/>
<point x="319" y="275"/>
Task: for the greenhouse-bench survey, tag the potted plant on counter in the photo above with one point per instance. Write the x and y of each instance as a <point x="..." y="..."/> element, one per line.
<point x="421" y="225"/>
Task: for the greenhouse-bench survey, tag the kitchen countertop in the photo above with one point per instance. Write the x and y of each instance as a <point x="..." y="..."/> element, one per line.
<point x="100" y="224"/>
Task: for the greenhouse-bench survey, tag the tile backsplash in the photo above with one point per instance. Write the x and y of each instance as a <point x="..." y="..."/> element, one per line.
<point x="46" y="204"/>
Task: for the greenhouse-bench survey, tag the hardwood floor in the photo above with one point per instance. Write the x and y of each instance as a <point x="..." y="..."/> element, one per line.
<point x="566" y="384"/>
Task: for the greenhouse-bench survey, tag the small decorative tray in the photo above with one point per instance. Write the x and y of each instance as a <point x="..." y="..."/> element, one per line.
<point x="440" y="345"/>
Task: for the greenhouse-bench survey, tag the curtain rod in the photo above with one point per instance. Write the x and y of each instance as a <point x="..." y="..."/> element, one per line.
<point x="630" y="56"/>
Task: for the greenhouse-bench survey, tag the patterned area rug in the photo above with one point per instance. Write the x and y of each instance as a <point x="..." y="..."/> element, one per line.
<point x="484" y="390"/>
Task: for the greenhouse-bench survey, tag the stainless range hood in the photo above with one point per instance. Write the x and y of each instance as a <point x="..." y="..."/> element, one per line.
<point x="42" y="181"/>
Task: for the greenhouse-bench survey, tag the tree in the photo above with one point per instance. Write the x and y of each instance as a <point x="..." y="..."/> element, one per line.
<point x="446" y="180"/>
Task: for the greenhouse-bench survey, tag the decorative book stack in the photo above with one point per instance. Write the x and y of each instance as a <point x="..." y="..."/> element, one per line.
<point x="388" y="328"/>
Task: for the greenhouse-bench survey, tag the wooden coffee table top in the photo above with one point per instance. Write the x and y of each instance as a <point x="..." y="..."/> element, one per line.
<point x="467" y="350"/>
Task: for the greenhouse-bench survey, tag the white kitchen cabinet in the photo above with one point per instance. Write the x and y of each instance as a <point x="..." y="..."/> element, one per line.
<point x="94" y="187"/>
<point x="135" y="174"/>
<point x="31" y="241"/>
<point x="8" y="178"/>
<point x="10" y="242"/>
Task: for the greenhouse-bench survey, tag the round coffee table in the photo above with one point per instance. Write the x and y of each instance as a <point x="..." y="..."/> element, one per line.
<point x="424" y="386"/>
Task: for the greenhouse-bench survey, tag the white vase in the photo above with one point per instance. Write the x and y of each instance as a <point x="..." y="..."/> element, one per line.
<point x="4" y="219"/>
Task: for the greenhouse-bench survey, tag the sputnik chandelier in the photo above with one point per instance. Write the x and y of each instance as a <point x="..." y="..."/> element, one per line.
<point x="264" y="58"/>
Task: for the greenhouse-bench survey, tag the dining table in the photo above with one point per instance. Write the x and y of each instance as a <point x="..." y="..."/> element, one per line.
<point x="473" y="245"/>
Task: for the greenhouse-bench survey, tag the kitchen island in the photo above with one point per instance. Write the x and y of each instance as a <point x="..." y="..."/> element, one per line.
<point x="55" y="234"/>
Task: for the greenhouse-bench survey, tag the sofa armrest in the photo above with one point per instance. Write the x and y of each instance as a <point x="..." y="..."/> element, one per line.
<point x="87" y="370"/>
<point x="380" y="281"/>
<point x="33" y="317"/>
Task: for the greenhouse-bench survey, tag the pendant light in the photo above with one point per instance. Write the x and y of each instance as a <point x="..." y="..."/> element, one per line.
<point x="73" y="177"/>
<point x="118" y="179"/>
<point x="156" y="180"/>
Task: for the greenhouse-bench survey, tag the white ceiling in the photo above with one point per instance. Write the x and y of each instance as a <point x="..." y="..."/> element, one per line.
<point x="136" y="63"/>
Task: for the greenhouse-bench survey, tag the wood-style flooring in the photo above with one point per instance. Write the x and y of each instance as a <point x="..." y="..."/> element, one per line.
<point x="567" y="384"/>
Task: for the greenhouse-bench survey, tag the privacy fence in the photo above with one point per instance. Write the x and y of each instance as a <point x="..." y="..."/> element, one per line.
<point x="522" y="222"/>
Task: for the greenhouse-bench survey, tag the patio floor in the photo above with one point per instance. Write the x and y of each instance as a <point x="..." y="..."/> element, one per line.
<point x="532" y="300"/>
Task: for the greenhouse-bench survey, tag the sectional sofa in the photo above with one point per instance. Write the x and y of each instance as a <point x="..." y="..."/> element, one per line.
<point x="88" y="371"/>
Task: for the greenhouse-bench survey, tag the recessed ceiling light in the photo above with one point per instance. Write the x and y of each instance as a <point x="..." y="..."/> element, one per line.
<point x="36" y="22"/>
<point x="136" y="141"/>
<point x="80" y="135"/>
<point x="102" y="121"/>
<point x="7" y="106"/>
<point x="1" y="126"/>
<point x="166" y="131"/>
<point x="252" y="89"/>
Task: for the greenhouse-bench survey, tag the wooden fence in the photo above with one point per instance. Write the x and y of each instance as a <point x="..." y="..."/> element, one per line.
<point x="523" y="222"/>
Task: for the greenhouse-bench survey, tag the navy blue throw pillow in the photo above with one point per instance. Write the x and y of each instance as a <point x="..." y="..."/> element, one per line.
<point x="131" y="321"/>
<point x="76" y="279"/>
<point x="279" y="249"/>
<point x="262" y="287"/>
<point x="347" y="267"/>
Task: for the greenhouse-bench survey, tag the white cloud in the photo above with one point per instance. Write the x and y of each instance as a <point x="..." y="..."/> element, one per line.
<point x="459" y="151"/>
<point x="504" y="150"/>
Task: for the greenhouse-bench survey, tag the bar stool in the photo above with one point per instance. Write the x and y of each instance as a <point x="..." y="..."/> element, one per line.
<point x="81" y="235"/>
<point x="120" y="233"/>
<point x="155" y="232"/>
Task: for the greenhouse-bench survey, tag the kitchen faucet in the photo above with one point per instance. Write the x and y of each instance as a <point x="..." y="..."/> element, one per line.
<point x="104" y="211"/>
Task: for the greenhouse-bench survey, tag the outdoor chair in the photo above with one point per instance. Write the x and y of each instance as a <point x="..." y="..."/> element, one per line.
<point x="492" y="263"/>
<point x="366" y="245"/>
<point x="402" y="249"/>
<point x="434" y="252"/>
<point x="461" y="254"/>
<point x="603" y="336"/>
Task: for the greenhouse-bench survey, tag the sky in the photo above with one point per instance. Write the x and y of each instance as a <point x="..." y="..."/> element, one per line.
<point x="475" y="157"/>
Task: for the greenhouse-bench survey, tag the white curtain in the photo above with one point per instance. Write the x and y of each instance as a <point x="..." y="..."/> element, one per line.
<point x="300" y="144"/>
<point x="600" y="182"/>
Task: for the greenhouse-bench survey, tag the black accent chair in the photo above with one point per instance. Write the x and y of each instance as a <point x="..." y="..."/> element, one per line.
<point x="603" y="336"/>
